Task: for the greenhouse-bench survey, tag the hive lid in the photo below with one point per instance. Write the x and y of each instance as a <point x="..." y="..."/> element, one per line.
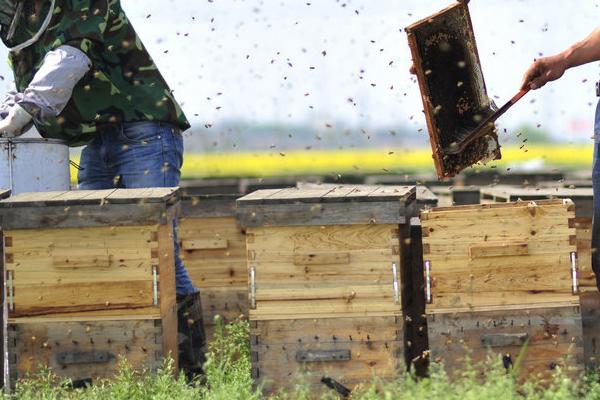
<point x="327" y="205"/>
<point x="91" y="197"/>
<point x="79" y="208"/>
<point x="582" y="197"/>
<point x="452" y="86"/>
<point x="513" y="193"/>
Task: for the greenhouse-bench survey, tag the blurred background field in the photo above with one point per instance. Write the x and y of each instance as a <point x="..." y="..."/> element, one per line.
<point x="373" y="161"/>
<point x="393" y="161"/>
<point x="292" y="88"/>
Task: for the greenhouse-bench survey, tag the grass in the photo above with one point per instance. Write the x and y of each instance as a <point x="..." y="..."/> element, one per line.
<point x="367" y="161"/>
<point x="228" y="378"/>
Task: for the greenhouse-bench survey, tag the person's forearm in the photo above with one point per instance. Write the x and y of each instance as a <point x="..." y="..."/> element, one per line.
<point x="586" y="51"/>
<point x="52" y="86"/>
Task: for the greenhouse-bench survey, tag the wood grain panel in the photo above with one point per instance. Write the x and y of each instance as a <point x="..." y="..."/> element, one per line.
<point x="487" y="255"/>
<point x="553" y="335"/>
<point x="374" y="345"/>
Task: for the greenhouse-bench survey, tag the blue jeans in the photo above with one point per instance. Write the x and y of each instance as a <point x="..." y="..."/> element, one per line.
<point x="596" y="186"/>
<point x="137" y="155"/>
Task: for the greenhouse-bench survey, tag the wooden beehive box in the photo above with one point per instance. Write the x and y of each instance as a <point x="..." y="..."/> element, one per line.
<point x="90" y="277"/>
<point x="584" y="210"/>
<point x="325" y="268"/>
<point x="500" y="276"/>
<point x="452" y="87"/>
<point x="213" y="248"/>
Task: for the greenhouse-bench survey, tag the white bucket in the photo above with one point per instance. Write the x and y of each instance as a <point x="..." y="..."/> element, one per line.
<point x="34" y="165"/>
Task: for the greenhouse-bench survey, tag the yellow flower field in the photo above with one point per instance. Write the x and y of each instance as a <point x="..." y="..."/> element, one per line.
<point x="368" y="161"/>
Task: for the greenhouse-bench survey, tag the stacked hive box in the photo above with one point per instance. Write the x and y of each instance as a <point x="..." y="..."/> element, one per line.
<point x="213" y="247"/>
<point x="325" y="283"/>
<point x="583" y="199"/>
<point x="501" y="276"/>
<point x="90" y="278"/>
<point x="584" y="209"/>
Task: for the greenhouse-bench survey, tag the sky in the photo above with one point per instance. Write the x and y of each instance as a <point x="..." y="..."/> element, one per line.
<point x="345" y="62"/>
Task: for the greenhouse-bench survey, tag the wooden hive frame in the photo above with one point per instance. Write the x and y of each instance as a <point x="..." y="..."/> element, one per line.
<point x="453" y="89"/>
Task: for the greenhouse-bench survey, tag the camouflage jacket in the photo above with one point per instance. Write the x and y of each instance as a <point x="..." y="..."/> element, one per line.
<point x="123" y="84"/>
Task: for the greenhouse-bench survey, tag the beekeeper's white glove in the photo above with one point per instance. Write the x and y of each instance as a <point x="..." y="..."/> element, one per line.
<point x="15" y="122"/>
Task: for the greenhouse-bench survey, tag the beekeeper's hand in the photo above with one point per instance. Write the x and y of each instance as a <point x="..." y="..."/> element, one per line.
<point x="13" y="125"/>
<point x="544" y="70"/>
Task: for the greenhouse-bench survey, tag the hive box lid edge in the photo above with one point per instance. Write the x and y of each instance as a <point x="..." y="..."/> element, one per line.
<point x="328" y="194"/>
<point x="97" y="208"/>
<point x="92" y="197"/>
<point x="340" y="205"/>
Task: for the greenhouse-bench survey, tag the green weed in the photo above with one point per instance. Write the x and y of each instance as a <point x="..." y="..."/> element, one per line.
<point x="228" y="377"/>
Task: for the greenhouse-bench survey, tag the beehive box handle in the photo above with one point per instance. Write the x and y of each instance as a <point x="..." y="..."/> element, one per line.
<point x="503" y="339"/>
<point x="303" y="356"/>
<point x="205" y="244"/>
<point x="84" y="357"/>
<point x="322" y="259"/>
<point x="498" y="249"/>
<point x="81" y="261"/>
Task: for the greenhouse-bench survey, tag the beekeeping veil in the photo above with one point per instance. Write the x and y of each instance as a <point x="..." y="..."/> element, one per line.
<point x="16" y="30"/>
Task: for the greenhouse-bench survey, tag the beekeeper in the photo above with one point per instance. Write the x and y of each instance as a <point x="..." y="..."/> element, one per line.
<point x="83" y="75"/>
<point x="547" y="69"/>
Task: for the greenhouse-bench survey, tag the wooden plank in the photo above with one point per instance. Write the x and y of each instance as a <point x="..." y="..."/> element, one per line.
<point x="294" y="194"/>
<point x="258" y="196"/>
<point x="497" y="206"/>
<point x="147" y="195"/>
<point x="339" y="191"/>
<point x="322" y="259"/>
<point x="582" y="197"/>
<point x="31" y="300"/>
<point x="81" y="261"/>
<point x="61" y="271"/>
<point x="384" y="193"/>
<point x="24" y="199"/>
<point x="217" y="267"/>
<point x="204" y="244"/>
<point x="513" y="193"/>
<point x="91" y="197"/>
<point x="498" y="249"/>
